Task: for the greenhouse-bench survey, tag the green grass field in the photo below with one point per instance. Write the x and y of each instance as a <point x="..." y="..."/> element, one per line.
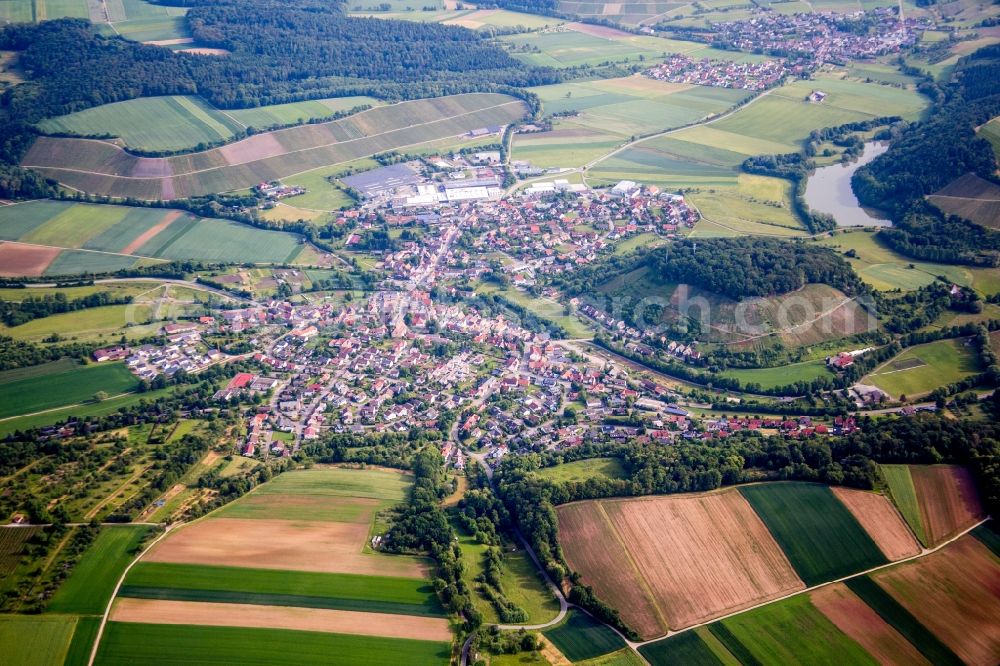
<point x="583" y="470"/>
<point x="904" y="494"/>
<point x="581" y="637"/>
<point x="821" y="538"/>
<point x="902" y="621"/>
<point x="624" y="657"/>
<point x="920" y="369"/>
<point x="376" y="594"/>
<point x="782" y="375"/>
<point x="65" y="387"/>
<point x="35" y="640"/>
<point x="128" y="644"/>
<point x="341" y="482"/>
<point x="89" y="586"/>
<point x="11" y="425"/>
<point x="184" y="122"/>
<point x="791" y="631"/>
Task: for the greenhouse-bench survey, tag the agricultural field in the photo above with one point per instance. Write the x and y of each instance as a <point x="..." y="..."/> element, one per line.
<point x="61" y="383"/>
<point x="782" y="375"/>
<point x="972" y="197"/>
<point x="291" y="556"/>
<point x="694" y="557"/>
<point x="920" y="369"/>
<point x="55" y="415"/>
<point x="822" y="539"/>
<point x="584" y="470"/>
<point x="629" y="13"/>
<point x="35" y="640"/>
<point x="708" y="156"/>
<point x="80" y="238"/>
<point x="92" y="581"/>
<point x="953" y="593"/>
<point x="991" y="132"/>
<point x="881" y="521"/>
<point x="937" y="501"/>
<point x="175" y="123"/>
<point x="581" y="637"/>
<point x="789" y="631"/>
<point x="104" y="168"/>
<point x="128" y="643"/>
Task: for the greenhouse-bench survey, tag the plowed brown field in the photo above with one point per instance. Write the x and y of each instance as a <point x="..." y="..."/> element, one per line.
<point x="955" y="593"/>
<point x="948" y="500"/>
<point x="280" y="544"/>
<point x="696" y="556"/>
<point x="882" y="522"/>
<point x="18" y="259"/>
<point x="156" y="611"/>
<point x="856" y="619"/>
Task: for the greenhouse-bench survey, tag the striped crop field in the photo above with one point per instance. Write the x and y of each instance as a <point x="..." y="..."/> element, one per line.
<point x="63" y="238"/>
<point x="290" y="560"/>
<point x="183" y="122"/>
<point x="102" y="167"/>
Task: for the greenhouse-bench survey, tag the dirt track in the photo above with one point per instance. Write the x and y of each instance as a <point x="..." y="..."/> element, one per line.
<point x="156" y="611"/>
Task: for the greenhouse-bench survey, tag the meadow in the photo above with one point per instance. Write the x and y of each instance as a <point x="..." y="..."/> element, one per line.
<point x="920" y="369"/>
<point x="67" y="386"/>
<point x="92" y="581"/>
<point x="584" y="470"/>
<point x="819" y="535"/>
<point x="782" y="375"/>
<point x="172" y="123"/>
<point x="685" y="648"/>
<point x="10" y="425"/>
<point x="101" y="167"/>
<point x="581" y="637"/>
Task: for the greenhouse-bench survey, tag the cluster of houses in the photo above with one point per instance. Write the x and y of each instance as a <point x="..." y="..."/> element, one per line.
<point x="632" y="336"/>
<point x="809" y="39"/>
<point x="679" y="68"/>
<point x="274" y="190"/>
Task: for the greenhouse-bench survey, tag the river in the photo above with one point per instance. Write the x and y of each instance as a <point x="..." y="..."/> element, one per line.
<point x="829" y="191"/>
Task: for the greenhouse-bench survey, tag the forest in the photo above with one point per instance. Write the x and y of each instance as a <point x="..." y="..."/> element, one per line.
<point x="926" y="156"/>
<point x="748" y="266"/>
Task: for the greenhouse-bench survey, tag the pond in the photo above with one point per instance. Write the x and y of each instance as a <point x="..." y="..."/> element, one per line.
<point x="829" y="191"/>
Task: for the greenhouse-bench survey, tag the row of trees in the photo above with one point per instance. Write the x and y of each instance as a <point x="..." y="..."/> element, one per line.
<point x="15" y="313"/>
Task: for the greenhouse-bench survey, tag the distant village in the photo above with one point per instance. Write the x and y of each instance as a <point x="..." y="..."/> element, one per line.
<point x="679" y="68"/>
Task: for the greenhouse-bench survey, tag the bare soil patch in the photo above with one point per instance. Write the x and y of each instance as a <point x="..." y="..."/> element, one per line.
<point x="593" y="549"/>
<point x="207" y="51"/>
<point x="149" y="234"/>
<point x="697" y="556"/>
<point x="18" y="259"/>
<point x="256" y="147"/>
<point x="956" y="594"/>
<point x="882" y="522"/>
<point x="154" y="611"/>
<point x="856" y="619"/>
<point x="171" y="42"/>
<point x="281" y="544"/>
<point x="948" y="500"/>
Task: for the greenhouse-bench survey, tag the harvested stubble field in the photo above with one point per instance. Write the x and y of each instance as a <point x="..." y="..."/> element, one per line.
<point x="954" y="593"/>
<point x="882" y="522"/>
<point x="158" y="611"/>
<point x="947" y="498"/>
<point x="104" y="168"/>
<point x="282" y="544"/>
<point x="693" y="557"/>
<point x="856" y="619"/>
